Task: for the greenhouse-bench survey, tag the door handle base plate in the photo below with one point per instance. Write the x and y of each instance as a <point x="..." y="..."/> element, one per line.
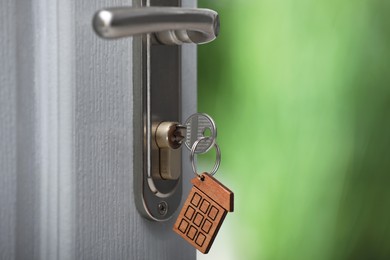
<point x="157" y="98"/>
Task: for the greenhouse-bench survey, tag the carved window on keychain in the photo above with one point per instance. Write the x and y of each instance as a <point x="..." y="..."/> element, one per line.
<point x="206" y="205"/>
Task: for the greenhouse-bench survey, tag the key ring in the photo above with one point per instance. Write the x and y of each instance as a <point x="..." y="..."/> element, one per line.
<point x="192" y="156"/>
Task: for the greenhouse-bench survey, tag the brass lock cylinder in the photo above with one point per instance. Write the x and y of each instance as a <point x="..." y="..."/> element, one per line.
<point x="168" y="138"/>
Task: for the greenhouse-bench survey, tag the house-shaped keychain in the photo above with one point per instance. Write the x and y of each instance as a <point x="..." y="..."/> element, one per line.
<point x="204" y="211"/>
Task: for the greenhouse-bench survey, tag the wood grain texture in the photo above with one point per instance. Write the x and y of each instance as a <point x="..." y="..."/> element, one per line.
<point x="215" y="190"/>
<point x="66" y="180"/>
<point x="203" y="212"/>
<point x="199" y="220"/>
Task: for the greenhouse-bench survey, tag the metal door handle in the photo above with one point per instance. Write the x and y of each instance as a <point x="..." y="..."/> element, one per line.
<point x="157" y="70"/>
<point x="169" y="25"/>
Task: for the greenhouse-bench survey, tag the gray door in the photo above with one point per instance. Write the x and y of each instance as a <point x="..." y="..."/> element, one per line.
<point x="66" y="135"/>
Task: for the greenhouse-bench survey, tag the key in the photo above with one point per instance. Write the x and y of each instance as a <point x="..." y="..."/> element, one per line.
<point x="203" y="212"/>
<point x="197" y="126"/>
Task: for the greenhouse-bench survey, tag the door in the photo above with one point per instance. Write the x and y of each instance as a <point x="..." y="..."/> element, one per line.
<point x="66" y="133"/>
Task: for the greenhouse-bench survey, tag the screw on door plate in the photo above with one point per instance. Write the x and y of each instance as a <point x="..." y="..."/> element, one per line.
<point x="162" y="208"/>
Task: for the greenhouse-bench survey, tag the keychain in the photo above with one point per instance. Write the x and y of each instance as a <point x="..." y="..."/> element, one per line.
<point x="206" y="205"/>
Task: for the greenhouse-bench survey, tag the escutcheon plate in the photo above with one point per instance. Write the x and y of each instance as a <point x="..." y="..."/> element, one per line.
<point x="157" y="98"/>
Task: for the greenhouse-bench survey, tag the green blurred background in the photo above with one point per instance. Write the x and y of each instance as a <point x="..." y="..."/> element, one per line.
<point x="300" y="91"/>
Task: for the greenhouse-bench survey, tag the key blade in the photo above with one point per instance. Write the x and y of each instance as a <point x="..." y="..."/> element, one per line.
<point x="179" y="134"/>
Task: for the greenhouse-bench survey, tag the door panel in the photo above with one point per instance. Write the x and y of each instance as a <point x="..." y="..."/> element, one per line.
<point x="66" y="100"/>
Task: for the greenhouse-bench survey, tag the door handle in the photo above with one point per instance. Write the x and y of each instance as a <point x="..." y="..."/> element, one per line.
<point x="168" y="25"/>
<point x="157" y="84"/>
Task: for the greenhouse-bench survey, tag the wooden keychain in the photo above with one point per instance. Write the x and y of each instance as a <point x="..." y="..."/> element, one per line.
<point x="206" y="206"/>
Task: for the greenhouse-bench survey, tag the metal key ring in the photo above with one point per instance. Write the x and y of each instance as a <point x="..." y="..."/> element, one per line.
<point x="192" y="156"/>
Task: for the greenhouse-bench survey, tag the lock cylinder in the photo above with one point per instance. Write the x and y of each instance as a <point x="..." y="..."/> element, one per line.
<point x="169" y="137"/>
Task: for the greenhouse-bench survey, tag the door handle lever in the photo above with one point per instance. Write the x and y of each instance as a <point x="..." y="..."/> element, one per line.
<point x="169" y="25"/>
<point x="157" y="70"/>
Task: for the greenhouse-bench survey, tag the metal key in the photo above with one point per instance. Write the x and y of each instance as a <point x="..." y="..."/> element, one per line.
<point x="198" y="125"/>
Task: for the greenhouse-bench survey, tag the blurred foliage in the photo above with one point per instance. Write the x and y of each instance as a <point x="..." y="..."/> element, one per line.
<point x="300" y="91"/>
